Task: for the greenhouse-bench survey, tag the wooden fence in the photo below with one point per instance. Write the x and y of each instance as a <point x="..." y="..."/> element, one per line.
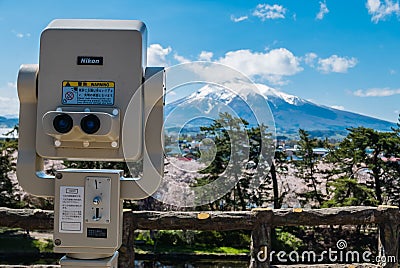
<point x="259" y="221"/>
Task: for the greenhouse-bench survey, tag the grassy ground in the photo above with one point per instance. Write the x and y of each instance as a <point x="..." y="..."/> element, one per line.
<point x="20" y="243"/>
<point x="195" y="249"/>
<point x="16" y="240"/>
<point x="192" y="242"/>
<point x="18" y="247"/>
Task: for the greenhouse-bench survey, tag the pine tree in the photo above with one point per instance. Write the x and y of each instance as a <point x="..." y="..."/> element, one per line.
<point x="349" y="192"/>
<point x="368" y="152"/>
<point x="392" y="184"/>
<point x="279" y="168"/>
<point x="9" y="196"/>
<point x="307" y="169"/>
<point x="229" y="138"/>
<point x="261" y="172"/>
<point x="241" y="158"/>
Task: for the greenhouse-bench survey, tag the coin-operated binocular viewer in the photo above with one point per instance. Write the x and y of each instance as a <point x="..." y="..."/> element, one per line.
<point x="90" y="98"/>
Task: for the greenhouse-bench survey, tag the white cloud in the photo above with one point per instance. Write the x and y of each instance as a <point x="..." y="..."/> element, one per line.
<point x="336" y="64"/>
<point x="333" y="64"/>
<point x="12" y="85"/>
<point x="338" y="107"/>
<point x="20" y="35"/>
<point x="373" y="5"/>
<point x="323" y="9"/>
<point x="9" y="106"/>
<point x="156" y="55"/>
<point x="238" y="19"/>
<point x="379" y="10"/>
<point x="9" y="103"/>
<point x="180" y="58"/>
<point x="266" y="11"/>
<point x="206" y="55"/>
<point x="272" y="65"/>
<point x="376" y="92"/>
<point x="310" y="58"/>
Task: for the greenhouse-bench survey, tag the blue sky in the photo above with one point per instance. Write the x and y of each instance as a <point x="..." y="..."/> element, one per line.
<point x="338" y="53"/>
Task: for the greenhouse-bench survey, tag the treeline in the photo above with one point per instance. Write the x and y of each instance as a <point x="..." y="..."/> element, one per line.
<point x="362" y="169"/>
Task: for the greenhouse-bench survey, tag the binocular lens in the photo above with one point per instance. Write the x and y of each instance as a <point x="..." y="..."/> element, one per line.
<point x="90" y="124"/>
<point x="63" y="123"/>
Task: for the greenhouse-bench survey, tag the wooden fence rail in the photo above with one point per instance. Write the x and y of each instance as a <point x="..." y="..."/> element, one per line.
<point x="260" y="221"/>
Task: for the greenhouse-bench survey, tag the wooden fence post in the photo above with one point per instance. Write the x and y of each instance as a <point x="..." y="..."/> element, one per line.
<point x="388" y="247"/>
<point x="260" y="246"/>
<point x="126" y="258"/>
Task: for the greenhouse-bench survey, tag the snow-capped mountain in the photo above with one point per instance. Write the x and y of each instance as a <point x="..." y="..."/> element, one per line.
<point x="289" y="112"/>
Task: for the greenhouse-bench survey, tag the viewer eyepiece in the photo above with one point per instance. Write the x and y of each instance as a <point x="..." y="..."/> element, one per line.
<point x="90" y="124"/>
<point x="63" y="123"/>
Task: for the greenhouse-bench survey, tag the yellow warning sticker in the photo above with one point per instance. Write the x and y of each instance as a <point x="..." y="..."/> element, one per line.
<point x="88" y="84"/>
<point x="88" y="92"/>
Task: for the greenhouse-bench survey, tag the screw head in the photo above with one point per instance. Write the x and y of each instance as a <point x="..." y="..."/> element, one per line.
<point x="59" y="176"/>
<point x="57" y="143"/>
<point x="57" y="242"/>
<point x="114" y="144"/>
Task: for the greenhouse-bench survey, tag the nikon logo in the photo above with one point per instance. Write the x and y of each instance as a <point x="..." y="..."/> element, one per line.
<point x="86" y="60"/>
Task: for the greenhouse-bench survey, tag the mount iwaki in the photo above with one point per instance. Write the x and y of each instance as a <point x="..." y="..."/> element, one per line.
<point x="289" y="112"/>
